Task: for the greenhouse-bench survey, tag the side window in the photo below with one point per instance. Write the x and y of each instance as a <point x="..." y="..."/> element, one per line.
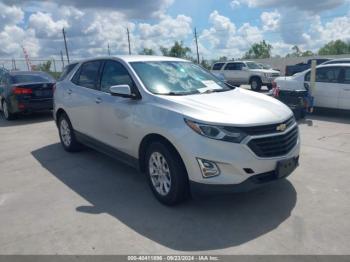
<point x="325" y="75"/>
<point x="218" y="66"/>
<point x="231" y="66"/>
<point x="328" y="75"/>
<point x="67" y="69"/>
<point x="239" y="66"/>
<point x="114" y="73"/>
<point x="346" y="75"/>
<point x="87" y="76"/>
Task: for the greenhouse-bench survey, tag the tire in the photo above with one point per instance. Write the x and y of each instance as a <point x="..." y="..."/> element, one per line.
<point x="6" y="111"/>
<point x="255" y="84"/>
<point x="67" y="136"/>
<point x="166" y="174"/>
<point x="269" y="87"/>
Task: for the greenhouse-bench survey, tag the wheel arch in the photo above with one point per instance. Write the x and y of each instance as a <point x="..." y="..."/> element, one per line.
<point x="58" y="113"/>
<point x="146" y="141"/>
<point x="254" y="76"/>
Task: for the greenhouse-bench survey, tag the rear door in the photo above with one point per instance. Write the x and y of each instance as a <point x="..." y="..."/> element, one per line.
<point x="328" y="86"/>
<point x="231" y="73"/>
<point x="344" y="97"/>
<point x="83" y="96"/>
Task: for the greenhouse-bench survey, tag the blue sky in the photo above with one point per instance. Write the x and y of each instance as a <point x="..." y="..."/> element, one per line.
<point x="225" y="27"/>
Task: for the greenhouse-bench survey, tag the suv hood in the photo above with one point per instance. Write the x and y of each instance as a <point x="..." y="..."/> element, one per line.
<point x="266" y="71"/>
<point x="236" y="107"/>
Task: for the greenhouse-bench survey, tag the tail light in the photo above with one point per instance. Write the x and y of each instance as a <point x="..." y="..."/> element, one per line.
<point x="22" y="91"/>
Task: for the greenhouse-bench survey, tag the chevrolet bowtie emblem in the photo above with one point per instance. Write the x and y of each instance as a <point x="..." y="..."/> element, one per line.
<point x="281" y="127"/>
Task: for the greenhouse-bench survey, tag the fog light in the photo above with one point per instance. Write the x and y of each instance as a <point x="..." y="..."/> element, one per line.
<point x="208" y="168"/>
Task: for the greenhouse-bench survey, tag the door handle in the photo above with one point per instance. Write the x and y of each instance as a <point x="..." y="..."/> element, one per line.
<point x="98" y="100"/>
<point x="69" y="91"/>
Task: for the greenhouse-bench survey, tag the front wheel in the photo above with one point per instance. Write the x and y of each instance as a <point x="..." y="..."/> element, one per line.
<point x="255" y="84"/>
<point x="166" y="174"/>
<point x="67" y="136"/>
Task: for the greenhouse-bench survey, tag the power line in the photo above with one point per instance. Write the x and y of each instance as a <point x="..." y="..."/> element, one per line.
<point x="65" y="44"/>
<point x="195" y="35"/>
<point x="127" y="30"/>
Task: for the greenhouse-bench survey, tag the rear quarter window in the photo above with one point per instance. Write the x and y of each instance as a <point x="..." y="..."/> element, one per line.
<point x="218" y="66"/>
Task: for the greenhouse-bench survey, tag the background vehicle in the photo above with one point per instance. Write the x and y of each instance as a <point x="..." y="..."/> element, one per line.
<point x="177" y="123"/>
<point x="293" y="69"/>
<point x="337" y="61"/>
<point x="332" y="85"/>
<point x="245" y="72"/>
<point x="24" y="92"/>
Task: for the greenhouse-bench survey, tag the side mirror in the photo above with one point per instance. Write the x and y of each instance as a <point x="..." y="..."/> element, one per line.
<point x="122" y="91"/>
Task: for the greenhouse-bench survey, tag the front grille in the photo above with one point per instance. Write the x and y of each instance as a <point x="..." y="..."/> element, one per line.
<point x="274" y="146"/>
<point x="262" y="130"/>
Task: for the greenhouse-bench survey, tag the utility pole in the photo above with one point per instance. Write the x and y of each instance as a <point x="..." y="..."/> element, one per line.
<point x="196" y="38"/>
<point x="127" y="30"/>
<point x="65" y="44"/>
<point x="109" y="51"/>
<point x="62" y="60"/>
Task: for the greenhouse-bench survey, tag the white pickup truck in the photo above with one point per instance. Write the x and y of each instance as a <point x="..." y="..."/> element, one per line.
<point x="244" y="73"/>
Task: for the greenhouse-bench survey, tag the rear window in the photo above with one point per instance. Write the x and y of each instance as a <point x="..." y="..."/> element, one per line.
<point x="28" y="78"/>
<point x="218" y="66"/>
<point x="67" y="69"/>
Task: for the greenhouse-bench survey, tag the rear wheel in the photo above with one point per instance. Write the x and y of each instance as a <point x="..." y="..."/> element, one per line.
<point x="255" y="84"/>
<point x="166" y="174"/>
<point x="67" y="136"/>
<point x="6" y="111"/>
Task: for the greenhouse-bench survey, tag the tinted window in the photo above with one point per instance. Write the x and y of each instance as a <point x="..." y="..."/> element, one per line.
<point x="34" y="78"/>
<point x="67" y="69"/>
<point x="346" y="76"/>
<point x="338" y="62"/>
<point x="234" y="66"/>
<point x="114" y="73"/>
<point x="326" y="75"/>
<point x="218" y="66"/>
<point x="88" y="75"/>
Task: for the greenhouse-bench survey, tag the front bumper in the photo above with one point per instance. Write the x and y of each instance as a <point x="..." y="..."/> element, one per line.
<point x="268" y="80"/>
<point x="251" y="183"/>
<point x="232" y="159"/>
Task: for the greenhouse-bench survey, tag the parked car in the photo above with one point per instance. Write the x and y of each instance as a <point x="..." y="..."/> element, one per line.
<point x="293" y="69"/>
<point x="66" y="70"/>
<point x="244" y="73"/>
<point x="337" y="61"/>
<point x="25" y="92"/>
<point x="178" y="123"/>
<point x="332" y="85"/>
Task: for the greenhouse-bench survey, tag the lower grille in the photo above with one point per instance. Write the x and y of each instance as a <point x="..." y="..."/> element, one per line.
<point x="274" y="146"/>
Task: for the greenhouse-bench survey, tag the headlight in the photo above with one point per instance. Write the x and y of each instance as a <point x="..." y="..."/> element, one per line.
<point x="229" y="134"/>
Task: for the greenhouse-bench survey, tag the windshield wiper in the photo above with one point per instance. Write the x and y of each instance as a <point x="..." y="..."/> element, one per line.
<point x="178" y="93"/>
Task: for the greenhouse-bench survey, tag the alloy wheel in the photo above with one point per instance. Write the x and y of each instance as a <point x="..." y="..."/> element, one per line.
<point x="160" y="173"/>
<point x="65" y="133"/>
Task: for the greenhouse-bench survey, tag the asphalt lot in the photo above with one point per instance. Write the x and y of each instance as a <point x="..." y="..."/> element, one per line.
<point x="53" y="202"/>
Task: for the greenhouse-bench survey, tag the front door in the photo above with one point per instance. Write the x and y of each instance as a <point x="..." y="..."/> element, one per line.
<point x="344" y="97"/>
<point x="115" y="121"/>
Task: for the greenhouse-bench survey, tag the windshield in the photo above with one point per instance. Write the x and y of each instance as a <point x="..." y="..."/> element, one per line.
<point x="177" y="78"/>
<point x="27" y="78"/>
<point x="252" y="65"/>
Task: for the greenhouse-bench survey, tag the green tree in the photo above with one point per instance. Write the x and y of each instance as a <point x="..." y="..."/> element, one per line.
<point x="259" y="50"/>
<point x="45" y="67"/>
<point x="147" y="51"/>
<point x="205" y="64"/>
<point x="298" y="52"/>
<point x="177" y="50"/>
<point x="337" y="47"/>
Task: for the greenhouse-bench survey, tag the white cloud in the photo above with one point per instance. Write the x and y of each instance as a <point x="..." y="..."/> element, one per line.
<point x="45" y="26"/>
<point x="10" y="15"/>
<point x="270" y="20"/>
<point x="235" y="4"/>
